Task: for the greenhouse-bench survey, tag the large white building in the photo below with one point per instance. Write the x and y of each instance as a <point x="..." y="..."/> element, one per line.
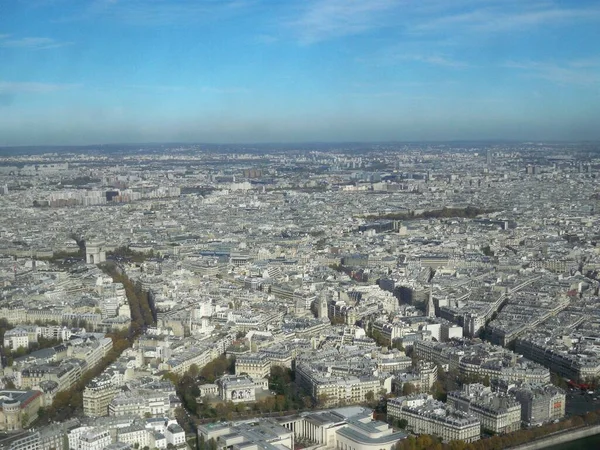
<point x="140" y="403"/>
<point x="15" y="338"/>
<point x="349" y="428"/>
<point x="89" y="438"/>
<point x="175" y="435"/>
<point x="135" y="434"/>
<point x="240" y="389"/>
<point x="539" y="403"/>
<point x="332" y="390"/>
<point x="255" y="365"/>
<point x="97" y="395"/>
<point x="428" y="416"/>
<point x="474" y="357"/>
<point x="114" y="433"/>
<point x="497" y="412"/>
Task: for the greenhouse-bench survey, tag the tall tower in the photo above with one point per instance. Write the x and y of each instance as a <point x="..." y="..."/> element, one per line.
<point x="489" y="158"/>
<point x="430" y="310"/>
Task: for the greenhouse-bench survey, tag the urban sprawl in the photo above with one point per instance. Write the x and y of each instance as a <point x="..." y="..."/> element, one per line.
<point x="350" y="297"/>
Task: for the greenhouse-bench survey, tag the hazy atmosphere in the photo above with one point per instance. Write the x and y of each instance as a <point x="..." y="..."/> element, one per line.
<point x="79" y="72"/>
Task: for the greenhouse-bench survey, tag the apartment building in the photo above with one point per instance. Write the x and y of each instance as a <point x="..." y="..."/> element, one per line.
<point x="97" y="395"/>
<point x="428" y="416"/>
<point x="337" y="389"/>
<point x="255" y="365"/>
<point x="539" y="403"/>
<point x="498" y="413"/>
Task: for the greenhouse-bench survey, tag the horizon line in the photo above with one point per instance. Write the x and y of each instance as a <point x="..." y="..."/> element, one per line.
<point x="308" y="142"/>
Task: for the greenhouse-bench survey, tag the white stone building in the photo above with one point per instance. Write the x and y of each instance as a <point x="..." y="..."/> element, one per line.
<point x="428" y="416"/>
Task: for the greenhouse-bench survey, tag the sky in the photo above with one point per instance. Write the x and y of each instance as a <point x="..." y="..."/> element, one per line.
<point x="76" y="72"/>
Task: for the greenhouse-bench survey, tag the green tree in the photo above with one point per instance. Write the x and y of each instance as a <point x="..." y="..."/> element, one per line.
<point x="439" y="391"/>
<point x="323" y="400"/>
<point x="408" y="389"/>
<point x="217" y="367"/>
<point x="486" y="381"/>
<point x="557" y="380"/>
<point x="21" y="351"/>
<point x="397" y="344"/>
<point x="307" y="402"/>
<point x="194" y="371"/>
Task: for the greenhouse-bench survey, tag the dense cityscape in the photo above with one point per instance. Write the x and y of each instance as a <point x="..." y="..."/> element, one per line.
<point x="352" y="296"/>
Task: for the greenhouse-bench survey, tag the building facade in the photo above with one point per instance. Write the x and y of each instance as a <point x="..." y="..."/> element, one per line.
<point x="498" y="413"/>
<point x="428" y="416"/>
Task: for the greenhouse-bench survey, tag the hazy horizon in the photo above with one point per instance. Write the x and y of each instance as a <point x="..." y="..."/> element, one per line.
<point x="307" y="145"/>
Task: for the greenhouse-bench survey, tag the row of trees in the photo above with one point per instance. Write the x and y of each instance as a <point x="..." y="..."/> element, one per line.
<point x="469" y="212"/>
<point x="131" y="255"/>
<point x="427" y="442"/>
<point x="142" y="315"/>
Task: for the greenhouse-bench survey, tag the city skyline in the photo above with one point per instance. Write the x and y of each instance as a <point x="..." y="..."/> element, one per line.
<point x="98" y="72"/>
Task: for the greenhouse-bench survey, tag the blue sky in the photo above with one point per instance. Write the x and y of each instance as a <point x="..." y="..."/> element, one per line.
<point x="100" y="71"/>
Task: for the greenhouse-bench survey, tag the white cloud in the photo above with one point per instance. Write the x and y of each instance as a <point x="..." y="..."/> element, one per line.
<point x="585" y="62"/>
<point x="160" y="12"/>
<point x="321" y="20"/>
<point x="13" y="87"/>
<point x="191" y="89"/>
<point x="31" y="43"/>
<point x="224" y="90"/>
<point x="424" y="53"/>
<point x="266" y="39"/>
<point x="325" y="19"/>
<point x="436" y="60"/>
<point x="564" y="73"/>
<point x="155" y="87"/>
<point x="501" y="17"/>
